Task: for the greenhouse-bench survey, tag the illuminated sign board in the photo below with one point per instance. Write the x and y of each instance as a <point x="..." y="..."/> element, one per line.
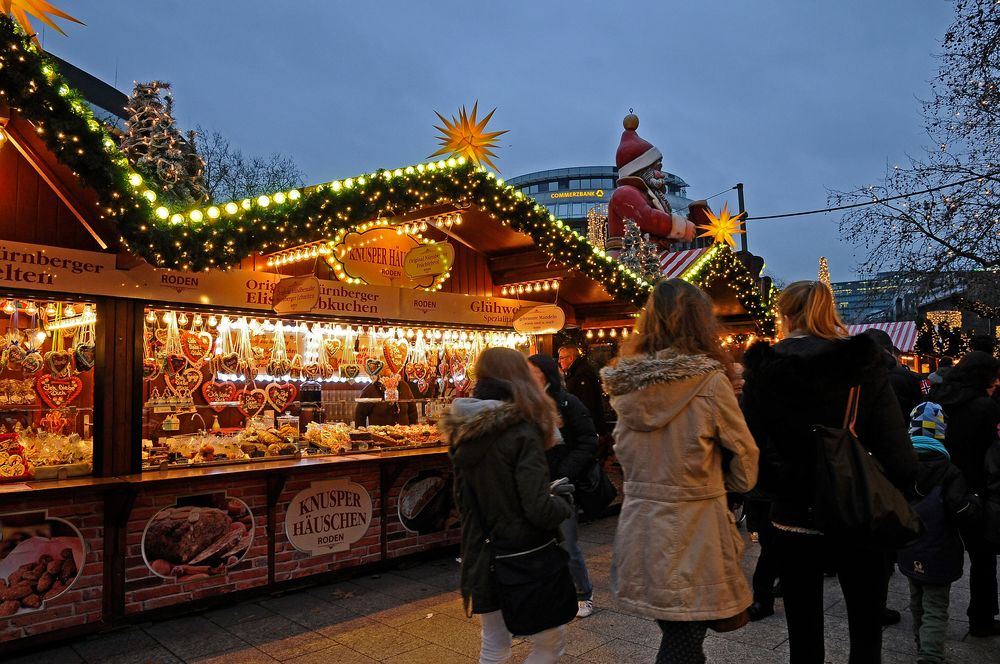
<point x="598" y="193"/>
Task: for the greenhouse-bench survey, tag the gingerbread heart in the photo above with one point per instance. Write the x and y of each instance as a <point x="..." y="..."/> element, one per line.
<point x="196" y="346"/>
<point x="350" y="371"/>
<point x="373" y="366"/>
<point x="311" y="370"/>
<point x="215" y="392"/>
<point x="150" y="369"/>
<point x="251" y="401"/>
<point x="422" y="386"/>
<point x="85" y="356"/>
<point x="14" y="356"/>
<point x="161" y="335"/>
<point x="279" y="367"/>
<point x="184" y="383"/>
<point x="395" y="353"/>
<point x="59" y="363"/>
<point x="174" y="364"/>
<point x="32" y="363"/>
<point x="419" y="370"/>
<point x="229" y="363"/>
<point x="58" y="392"/>
<point x="331" y="349"/>
<point x="280" y="395"/>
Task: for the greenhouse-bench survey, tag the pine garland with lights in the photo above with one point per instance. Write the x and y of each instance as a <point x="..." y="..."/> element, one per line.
<point x="720" y="263"/>
<point x="155" y="148"/>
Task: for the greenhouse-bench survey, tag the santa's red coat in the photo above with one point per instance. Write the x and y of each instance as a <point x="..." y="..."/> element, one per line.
<point x="631" y="202"/>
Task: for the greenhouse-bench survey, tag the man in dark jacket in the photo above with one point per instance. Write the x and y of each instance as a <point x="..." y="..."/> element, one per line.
<point x="905" y="384"/>
<point x="573" y="458"/>
<point x="965" y="396"/>
<point x="583" y="383"/>
<point x="382" y="412"/>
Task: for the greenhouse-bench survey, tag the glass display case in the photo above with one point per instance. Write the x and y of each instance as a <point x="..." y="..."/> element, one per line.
<point x="47" y="359"/>
<point x="220" y="387"/>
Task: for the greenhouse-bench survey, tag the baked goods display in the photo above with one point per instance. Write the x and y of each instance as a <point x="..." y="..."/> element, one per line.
<point x="39" y="560"/>
<point x="339" y="438"/>
<point x="197" y="541"/>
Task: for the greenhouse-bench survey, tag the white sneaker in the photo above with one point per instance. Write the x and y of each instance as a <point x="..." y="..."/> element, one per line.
<point x="586" y="608"/>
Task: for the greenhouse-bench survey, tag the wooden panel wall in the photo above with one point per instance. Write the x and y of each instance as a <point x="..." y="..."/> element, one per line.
<point x="471" y="273"/>
<point x="31" y="212"/>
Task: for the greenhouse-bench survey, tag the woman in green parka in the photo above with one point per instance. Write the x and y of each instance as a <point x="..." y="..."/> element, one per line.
<point x="497" y="442"/>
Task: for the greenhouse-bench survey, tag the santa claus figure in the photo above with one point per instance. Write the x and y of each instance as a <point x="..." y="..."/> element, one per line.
<point x="641" y="196"/>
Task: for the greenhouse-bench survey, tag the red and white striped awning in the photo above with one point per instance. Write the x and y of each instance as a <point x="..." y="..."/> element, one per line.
<point x="902" y="333"/>
<point x="674" y="263"/>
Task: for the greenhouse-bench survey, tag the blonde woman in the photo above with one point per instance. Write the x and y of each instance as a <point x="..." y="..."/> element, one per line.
<point x="801" y="382"/>
<point x="682" y="444"/>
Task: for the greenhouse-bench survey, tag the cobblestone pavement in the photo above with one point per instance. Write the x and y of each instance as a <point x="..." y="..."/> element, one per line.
<point x="413" y="615"/>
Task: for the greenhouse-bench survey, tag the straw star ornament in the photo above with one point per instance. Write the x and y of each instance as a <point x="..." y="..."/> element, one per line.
<point x="722" y="228"/>
<point x="466" y="136"/>
<point x="40" y="9"/>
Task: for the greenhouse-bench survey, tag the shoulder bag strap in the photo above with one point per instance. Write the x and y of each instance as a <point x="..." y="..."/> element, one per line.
<point x="851" y="413"/>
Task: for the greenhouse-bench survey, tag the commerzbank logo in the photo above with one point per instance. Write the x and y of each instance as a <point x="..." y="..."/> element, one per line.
<point x="598" y="193"/>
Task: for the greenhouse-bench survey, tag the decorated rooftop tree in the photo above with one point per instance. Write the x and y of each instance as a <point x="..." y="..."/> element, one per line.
<point x="639" y="252"/>
<point x="156" y="149"/>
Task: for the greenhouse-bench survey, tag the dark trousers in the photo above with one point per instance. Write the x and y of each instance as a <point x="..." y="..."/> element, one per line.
<point x="766" y="571"/>
<point x="682" y="642"/>
<point x="982" y="579"/>
<point x="862" y="577"/>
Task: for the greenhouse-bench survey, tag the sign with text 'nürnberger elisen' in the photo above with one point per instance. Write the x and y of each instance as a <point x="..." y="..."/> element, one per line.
<point x="328" y="516"/>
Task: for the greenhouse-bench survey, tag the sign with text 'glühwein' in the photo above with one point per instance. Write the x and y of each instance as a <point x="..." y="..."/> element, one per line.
<point x="328" y="516"/>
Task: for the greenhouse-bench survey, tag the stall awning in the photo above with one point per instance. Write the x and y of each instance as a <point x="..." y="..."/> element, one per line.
<point x="902" y="333"/>
<point x="674" y="263"/>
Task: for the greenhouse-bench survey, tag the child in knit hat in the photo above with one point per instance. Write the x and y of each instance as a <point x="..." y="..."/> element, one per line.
<point x="936" y="560"/>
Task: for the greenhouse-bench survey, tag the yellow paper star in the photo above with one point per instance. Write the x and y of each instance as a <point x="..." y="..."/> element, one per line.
<point x="466" y="137"/>
<point x="723" y="228"/>
<point x="40" y="9"/>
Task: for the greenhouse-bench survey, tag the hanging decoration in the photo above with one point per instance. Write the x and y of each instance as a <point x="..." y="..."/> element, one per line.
<point x="466" y="136"/>
<point x="722" y="228"/>
<point x="40" y="9"/>
<point x="597" y="226"/>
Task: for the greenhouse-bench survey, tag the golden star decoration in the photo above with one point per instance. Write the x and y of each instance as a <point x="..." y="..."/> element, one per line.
<point x="723" y="228"/>
<point x="40" y="9"/>
<point x="466" y="136"/>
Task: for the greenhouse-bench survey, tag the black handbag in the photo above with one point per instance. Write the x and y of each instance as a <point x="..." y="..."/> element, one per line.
<point x="854" y="499"/>
<point x="535" y="588"/>
<point x="594" y="491"/>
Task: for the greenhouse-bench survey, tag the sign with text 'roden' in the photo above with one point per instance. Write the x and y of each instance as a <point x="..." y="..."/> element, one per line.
<point x="328" y="516"/>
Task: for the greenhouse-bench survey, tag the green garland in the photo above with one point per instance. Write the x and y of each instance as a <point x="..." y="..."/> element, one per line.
<point x="723" y="264"/>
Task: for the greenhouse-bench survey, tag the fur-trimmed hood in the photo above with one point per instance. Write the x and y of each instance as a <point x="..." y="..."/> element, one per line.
<point x="471" y="420"/>
<point x="648" y="391"/>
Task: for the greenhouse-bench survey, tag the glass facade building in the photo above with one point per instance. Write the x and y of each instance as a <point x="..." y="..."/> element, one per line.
<point x="867" y="300"/>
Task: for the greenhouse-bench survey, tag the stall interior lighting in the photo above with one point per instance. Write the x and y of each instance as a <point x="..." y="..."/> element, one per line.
<point x="530" y="287"/>
<point x="608" y="333"/>
<point x="86" y="318"/>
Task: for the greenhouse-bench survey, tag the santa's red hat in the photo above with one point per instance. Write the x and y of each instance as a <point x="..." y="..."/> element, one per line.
<point x="634" y="154"/>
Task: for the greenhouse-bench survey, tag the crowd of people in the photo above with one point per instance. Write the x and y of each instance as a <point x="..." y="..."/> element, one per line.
<point x="697" y="431"/>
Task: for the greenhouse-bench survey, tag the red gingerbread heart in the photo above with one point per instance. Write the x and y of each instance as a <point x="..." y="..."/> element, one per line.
<point x="58" y="392"/>
<point x="214" y="392"/>
<point x="229" y="363"/>
<point x="196" y="346"/>
<point x="395" y="353"/>
<point x="252" y="401"/>
<point x="280" y="395"/>
<point x="150" y="369"/>
<point x="174" y="364"/>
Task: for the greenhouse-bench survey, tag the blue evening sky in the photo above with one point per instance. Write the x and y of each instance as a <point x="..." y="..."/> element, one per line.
<point x="790" y="97"/>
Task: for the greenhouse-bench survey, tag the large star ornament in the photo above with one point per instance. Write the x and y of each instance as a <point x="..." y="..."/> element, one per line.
<point x="466" y="136"/>
<point x="722" y="228"/>
<point x="40" y="9"/>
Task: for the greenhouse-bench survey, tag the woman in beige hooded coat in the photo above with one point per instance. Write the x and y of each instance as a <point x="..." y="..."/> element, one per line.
<point x="682" y="444"/>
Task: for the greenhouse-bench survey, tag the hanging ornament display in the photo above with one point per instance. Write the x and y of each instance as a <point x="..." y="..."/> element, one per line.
<point x="349" y="367"/>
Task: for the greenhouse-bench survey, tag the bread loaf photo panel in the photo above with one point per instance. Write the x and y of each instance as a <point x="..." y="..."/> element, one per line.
<point x="198" y="537"/>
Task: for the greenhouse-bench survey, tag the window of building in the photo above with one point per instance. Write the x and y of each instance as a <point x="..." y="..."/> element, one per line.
<point x="543" y="186"/>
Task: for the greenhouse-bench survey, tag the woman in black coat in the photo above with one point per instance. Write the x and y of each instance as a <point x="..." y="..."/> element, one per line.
<point x="572" y="457"/>
<point x="973" y="416"/>
<point x="803" y="381"/>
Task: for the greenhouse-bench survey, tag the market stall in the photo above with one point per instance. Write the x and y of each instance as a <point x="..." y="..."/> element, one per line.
<point x="199" y="403"/>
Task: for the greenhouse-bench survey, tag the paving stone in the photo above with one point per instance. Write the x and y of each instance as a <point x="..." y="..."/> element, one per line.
<point x="432" y="654"/>
<point x="238" y="613"/>
<point x="622" y="626"/>
<point x="306" y="610"/>
<point x="461" y="636"/>
<point x="281" y="638"/>
<point x="193" y="637"/>
<point x="247" y="655"/>
<point x="337" y="654"/>
<point x="379" y="641"/>
<point x="725" y="651"/>
<point x="64" y="655"/>
<point x="617" y="651"/>
<point x="580" y="640"/>
<point x="106" y="646"/>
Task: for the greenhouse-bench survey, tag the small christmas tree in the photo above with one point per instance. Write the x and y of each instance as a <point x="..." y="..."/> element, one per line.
<point x="157" y="151"/>
<point x="650" y="260"/>
<point x="824" y="273"/>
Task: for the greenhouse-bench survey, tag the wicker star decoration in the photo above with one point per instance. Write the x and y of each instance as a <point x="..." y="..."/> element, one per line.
<point x="467" y="136"/>
<point x="724" y="227"/>
<point x="40" y="9"/>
